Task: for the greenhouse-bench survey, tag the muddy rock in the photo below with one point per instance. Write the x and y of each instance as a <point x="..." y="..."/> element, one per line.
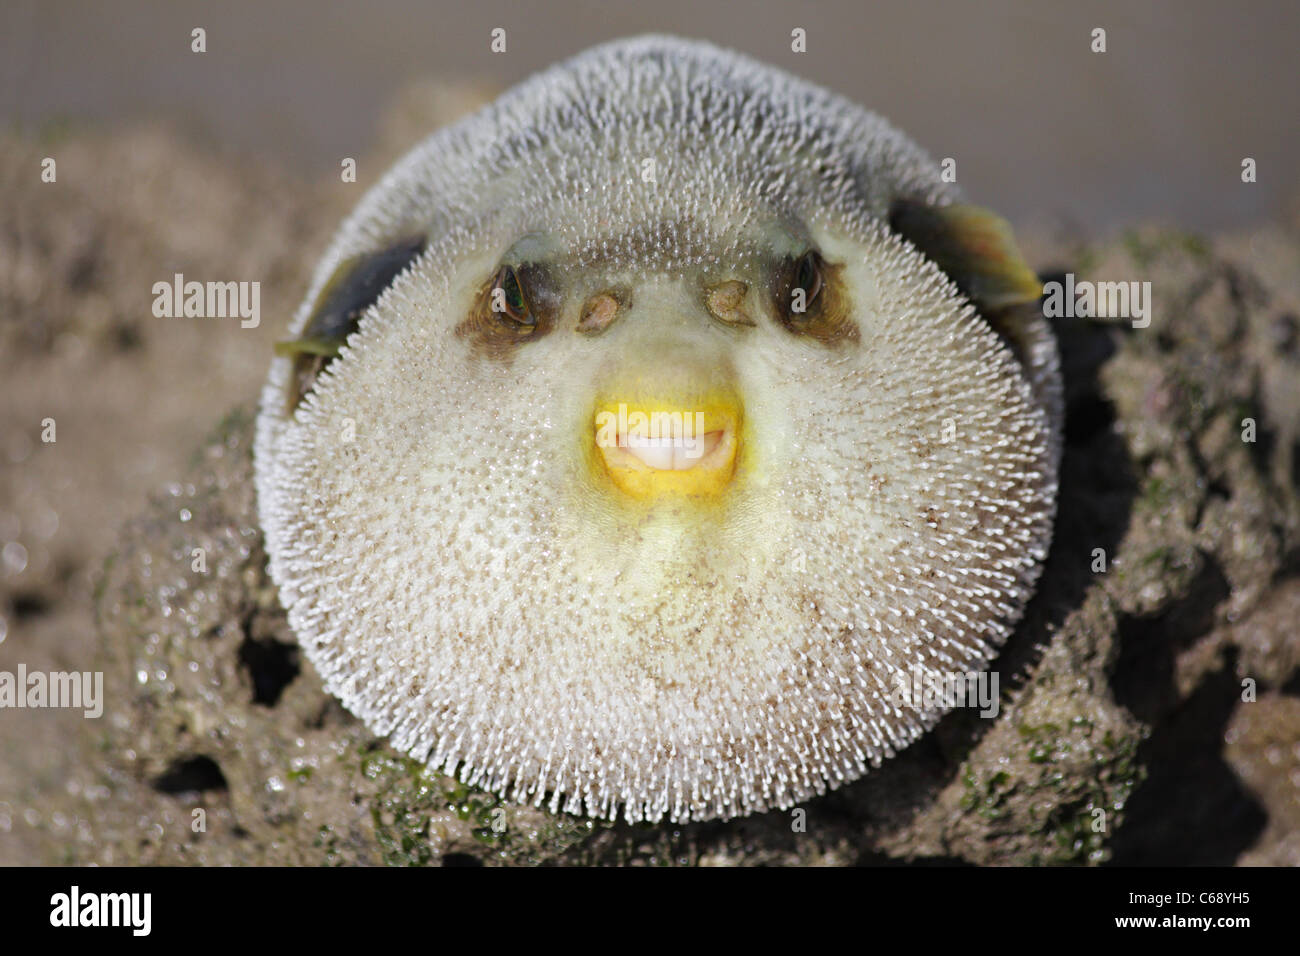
<point x="1145" y="712"/>
<point x="1148" y="702"/>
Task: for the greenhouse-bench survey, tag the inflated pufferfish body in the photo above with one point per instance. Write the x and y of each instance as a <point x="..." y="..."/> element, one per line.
<point x="684" y="414"/>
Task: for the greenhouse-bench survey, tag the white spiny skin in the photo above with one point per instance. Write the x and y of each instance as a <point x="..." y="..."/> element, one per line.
<point x="462" y="583"/>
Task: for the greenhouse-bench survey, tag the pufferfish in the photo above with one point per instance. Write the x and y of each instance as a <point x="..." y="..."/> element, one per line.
<point x="643" y="437"/>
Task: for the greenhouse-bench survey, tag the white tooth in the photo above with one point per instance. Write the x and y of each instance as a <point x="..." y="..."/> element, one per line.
<point x="703" y="445"/>
<point x="661" y="458"/>
<point x="689" y="450"/>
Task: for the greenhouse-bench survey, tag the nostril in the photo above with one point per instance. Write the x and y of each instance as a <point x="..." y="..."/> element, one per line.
<point x="600" y="310"/>
<point x="724" y="302"/>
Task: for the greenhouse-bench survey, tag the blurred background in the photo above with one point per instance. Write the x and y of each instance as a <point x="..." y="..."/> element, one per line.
<point x="1155" y="128"/>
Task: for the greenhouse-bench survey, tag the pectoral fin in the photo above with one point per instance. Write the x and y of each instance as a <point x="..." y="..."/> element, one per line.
<point x="976" y="249"/>
<point x="304" y="346"/>
<point x="973" y="246"/>
<point x="356" y="284"/>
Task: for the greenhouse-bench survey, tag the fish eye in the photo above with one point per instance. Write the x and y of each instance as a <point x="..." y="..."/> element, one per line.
<point x="807" y="277"/>
<point x="516" y="305"/>
<point x="811" y="299"/>
<point x="510" y="303"/>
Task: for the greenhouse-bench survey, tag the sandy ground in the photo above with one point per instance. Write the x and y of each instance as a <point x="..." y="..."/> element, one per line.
<point x="131" y="395"/>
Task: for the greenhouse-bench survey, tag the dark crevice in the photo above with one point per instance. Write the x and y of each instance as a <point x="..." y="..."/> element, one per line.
<point x="461" y="859"/>
<point x="191" y="775"/>
<point x="271" y="665"/>
<point x="1088" y="417"/>
<point x="1284" y="333"/>
<point x="329" y="712"/>
<point x="126" y="337"/>
<point x="1191" y="810"/>
<point x="1290" y="565"/>
<point x="1263" y="449"/>
<point x="1143" y="674"/>
<point x="84" y="271"/>
<point x="30" y="604"/>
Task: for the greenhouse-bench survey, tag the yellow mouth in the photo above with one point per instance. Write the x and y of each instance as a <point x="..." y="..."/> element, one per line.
<point x="653" y="449"/>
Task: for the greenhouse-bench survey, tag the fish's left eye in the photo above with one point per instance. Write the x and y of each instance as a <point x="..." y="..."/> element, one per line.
<point x="515" y="306"/>
<point x="510" y="303"/>
<point x="808" y="280"/>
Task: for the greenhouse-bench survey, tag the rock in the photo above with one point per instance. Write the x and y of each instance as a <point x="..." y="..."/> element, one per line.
<point x="1147" y="712"/>
<point x="1118" y="685"/>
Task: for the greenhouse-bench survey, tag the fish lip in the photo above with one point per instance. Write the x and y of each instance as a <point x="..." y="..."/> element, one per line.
<point x="654" y="449"/>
